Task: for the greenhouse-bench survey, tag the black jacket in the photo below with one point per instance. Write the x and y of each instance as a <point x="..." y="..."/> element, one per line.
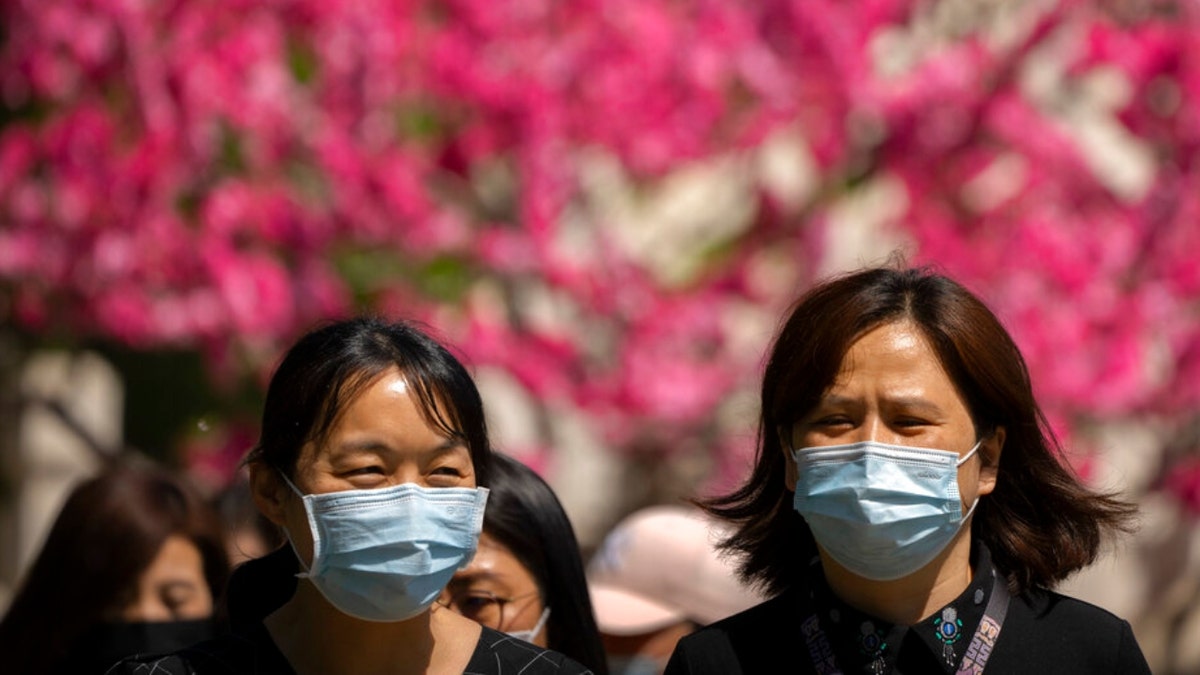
<point x="261" y="586"/>
<point x="1042" y="632"/>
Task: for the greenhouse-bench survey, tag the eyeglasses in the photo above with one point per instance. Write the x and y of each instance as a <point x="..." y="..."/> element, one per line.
<point x="483" y="607"/>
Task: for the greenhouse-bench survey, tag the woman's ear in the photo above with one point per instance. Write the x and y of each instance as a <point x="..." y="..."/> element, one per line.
<point x="989" y="454"/>
<point x="269" y="491"/>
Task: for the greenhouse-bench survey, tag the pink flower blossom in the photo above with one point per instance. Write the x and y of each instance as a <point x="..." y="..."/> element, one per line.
<point x="204" y="175"/>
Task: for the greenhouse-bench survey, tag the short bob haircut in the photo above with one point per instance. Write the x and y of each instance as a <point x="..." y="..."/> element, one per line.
<point x="1040" y="523"/>
<point x="109" y="530"/>
<point x="524" y="515"/>
<point x="330" y="366"/>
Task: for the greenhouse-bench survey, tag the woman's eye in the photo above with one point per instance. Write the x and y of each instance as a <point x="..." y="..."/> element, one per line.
<point x="832" y="421"/>
<point x="476" y="603"/>
<point x="365" y="471"/>
<point x="176" y="596"/>
<point x="445" y="476"/>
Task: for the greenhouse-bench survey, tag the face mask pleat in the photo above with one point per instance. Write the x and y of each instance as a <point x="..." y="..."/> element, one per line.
<point x="881" y="511"/>
<point x="385" y="554"/>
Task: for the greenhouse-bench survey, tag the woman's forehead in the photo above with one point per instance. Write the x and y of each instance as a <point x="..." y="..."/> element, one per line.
<point x="894" y="359"/>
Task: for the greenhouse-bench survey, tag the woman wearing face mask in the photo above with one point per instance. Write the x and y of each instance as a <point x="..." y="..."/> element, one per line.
<point x="371" y="458"/>
<point x="131" y="565"/>
<point x="527" y="578"/>
<point x="908" y="504"/>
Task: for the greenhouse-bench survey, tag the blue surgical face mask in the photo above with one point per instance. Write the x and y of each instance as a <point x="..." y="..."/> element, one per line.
<point x="386" y="554"/>
<point x="881" y="511"/>
<point x="531" y="634"/>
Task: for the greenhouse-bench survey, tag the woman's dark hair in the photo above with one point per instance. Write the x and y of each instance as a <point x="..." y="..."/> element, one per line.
<point x="241" y="518"/>
<point x="108" y="532"/>
<point x="525" y="516"/>
<point x="1040" y="523"/>
<point x="327" y="368"/>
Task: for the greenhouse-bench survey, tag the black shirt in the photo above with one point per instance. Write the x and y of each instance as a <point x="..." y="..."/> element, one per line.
<point x="261" y="586"/>
<point x="865" y="644"/>
<point x="1041" y="632"/>
<point x="254" y="653"/>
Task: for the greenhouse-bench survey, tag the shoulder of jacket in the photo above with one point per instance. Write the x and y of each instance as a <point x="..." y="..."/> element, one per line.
<point x="1047" y="605"/>
<point x="527" y="658"/>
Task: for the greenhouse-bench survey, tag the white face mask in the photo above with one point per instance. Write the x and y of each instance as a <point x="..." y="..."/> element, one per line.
<point x="531" y="634"/>
<point x="881" y="511"/>
<point x="385" y="554"/>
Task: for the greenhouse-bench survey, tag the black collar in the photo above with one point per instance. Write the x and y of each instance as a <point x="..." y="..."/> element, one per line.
<point x="867" y="644"/>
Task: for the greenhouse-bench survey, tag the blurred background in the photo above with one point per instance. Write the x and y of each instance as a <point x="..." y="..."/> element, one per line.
<point x="605" y="206"/>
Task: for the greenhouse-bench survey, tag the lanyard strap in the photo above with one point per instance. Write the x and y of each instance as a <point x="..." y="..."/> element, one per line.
<point x="979" y="650"/>
<point x="988" y="631"/>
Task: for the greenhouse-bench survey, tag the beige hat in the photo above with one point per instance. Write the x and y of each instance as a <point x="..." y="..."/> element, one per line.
<point x="660" y="566"/>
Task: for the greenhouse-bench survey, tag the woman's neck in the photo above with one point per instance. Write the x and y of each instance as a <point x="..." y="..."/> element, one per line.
<point x="317" y="638"/>
<point x="909" y="600"/>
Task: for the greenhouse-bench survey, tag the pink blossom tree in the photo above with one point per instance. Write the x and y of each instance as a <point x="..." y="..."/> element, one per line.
<point x="216" y="176"/>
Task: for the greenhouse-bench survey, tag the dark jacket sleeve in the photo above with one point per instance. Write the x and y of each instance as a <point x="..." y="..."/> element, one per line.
<point x="1129" y="655"/>
<point x="1052" y="633"/>
<point x="703" y="653"/>
<point x="749" y="642"/>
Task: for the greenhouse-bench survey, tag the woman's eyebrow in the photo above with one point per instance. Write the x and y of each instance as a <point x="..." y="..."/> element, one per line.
<point x="471" y="576"/>
<point x="375" y="445"/>
<point x="908" y="402"/>
<point x="447" y="446"/>
<point x="836" y="400"/>
<point x="356" y="447"/>
<point x="173" y="585"/>
<point x="919" y="403"/>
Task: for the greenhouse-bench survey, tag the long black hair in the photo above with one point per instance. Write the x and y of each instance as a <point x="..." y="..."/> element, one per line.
<point x="524" y="515"/>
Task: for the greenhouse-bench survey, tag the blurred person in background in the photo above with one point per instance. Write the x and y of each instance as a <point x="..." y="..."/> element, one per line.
<point x="527" y="577"/>
<point x="656" y="577"/>
<point x="248" y="534"/>
<point x="133" y="564"/>
<point x="909" y="505"/>
<point x="372" y="457"/>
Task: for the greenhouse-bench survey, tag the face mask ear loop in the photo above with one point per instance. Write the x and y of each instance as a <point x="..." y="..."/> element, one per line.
<point x="962" y="461"/>
<point x="531" y="634"/>
<point x="290" y="483"/>
<point x="307" y="570"/>
<point x="966" y="457"/>
<point x="970" y="511"/>
<point x="537" y="627"/>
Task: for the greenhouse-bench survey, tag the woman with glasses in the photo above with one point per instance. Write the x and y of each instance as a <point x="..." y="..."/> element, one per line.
<point x="527" y="577"/>
<point x="372" y="458"/>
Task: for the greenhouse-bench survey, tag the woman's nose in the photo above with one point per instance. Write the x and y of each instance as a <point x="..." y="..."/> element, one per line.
<point x="873" y="428"/>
